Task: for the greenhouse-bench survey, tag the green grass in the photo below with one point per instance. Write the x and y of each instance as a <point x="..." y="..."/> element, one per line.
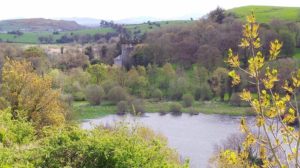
<point x="33" y="37"/>
<point x="265" y="14"/>
<point x="145" y="27"/>
<point x="82" y="110"/>
<point x="297" y="53"/>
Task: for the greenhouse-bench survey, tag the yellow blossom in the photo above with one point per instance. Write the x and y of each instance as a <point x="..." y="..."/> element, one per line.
<point x="245" y="95"/>
<point x="236" y="79"/>
<point x="233" y="60"/>
<point x="275" y="47"/>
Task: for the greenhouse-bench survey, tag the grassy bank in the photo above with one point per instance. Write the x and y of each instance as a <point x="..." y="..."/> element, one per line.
<point x="82" y="110"/>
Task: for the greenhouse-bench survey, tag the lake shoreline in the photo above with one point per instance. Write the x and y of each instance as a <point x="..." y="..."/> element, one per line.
<point x="82" y="110"/>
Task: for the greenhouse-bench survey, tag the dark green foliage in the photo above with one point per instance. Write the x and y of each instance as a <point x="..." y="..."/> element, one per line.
<point x="108" y="85"/>
<point x="117" y="94"/>
<point x="289" y="43"/>
<point x="177" y="88"/>
<point x="122" y="107"/>
<point x="175" y="107"/>
<point x="203" y="92"/>
<point x="94" y="94"/>
<point x="187" y="100"/>
<point x="157" y="94"/>
<point x="136" y="106"/>
<point x="79" y="96"/>
<point x="217" y="15"/>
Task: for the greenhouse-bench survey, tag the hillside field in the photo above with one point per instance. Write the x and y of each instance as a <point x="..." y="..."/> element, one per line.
<point x="265" y="14"/>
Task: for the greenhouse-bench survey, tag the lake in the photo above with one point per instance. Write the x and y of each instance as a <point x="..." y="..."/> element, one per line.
<point x="193" y="136"/>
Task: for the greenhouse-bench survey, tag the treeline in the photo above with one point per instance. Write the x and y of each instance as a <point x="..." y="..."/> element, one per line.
<point x="207" y="41"/>
<point x="77" y="38"/>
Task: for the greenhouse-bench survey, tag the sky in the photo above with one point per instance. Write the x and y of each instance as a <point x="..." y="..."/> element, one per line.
<point x="123" y="9"/>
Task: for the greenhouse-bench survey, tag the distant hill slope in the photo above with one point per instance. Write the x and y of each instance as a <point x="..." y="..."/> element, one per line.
<point x="38" y="24"/>
<point x="32" y="37"/>
<point x="265" y="14"/>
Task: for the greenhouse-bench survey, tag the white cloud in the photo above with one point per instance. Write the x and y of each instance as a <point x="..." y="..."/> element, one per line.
<point x="120" y="9"/>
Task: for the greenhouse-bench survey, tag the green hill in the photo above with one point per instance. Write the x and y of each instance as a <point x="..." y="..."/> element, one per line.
<point x="38" y="24"/>
<point x="32" y="37"/>
<point x="265" y="14"/>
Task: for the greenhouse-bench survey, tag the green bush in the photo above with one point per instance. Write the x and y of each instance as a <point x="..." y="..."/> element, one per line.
<point x="203" y="92"/>
<point x="107" y="85"/>
<point x="94" y="94"/>
<point x="78" y="96"/>
<point x="137" y="106"/>
<point x="117" y="94"/>
<point x="175" y="107"/>
<point x="187" y="100"/>
<point x="157" y="94"/>
<point x="113" y="146"/>
<point x="119" y="146"/>
<point x="122" y="107"/>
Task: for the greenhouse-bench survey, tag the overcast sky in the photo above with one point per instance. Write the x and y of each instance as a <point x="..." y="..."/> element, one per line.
<point x="122" y="9"/>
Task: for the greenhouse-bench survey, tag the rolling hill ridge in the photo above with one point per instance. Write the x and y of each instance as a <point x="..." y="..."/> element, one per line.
<point x="38" y="24"/>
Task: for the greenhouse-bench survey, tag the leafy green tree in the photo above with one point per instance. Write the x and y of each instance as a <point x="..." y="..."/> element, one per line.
<point x="219" y="82"/>
<point x="98" y="72"/>
<point x="94" y="94"/>
<point x="289" y="44"/>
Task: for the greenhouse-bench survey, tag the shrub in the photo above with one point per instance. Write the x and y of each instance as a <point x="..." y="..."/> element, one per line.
<point x="203" y="92"/>
<point x="3" y="103"/>
<point x="137" y="147"/>
<point x="187" y="100"/>
<point x="122" y="107"/>
<point x="177" y="88"/>
<point x="108" y="85"/>
<point x="175" y="108"/>
<point x="157" y="94"/>
<point x="117" y="94"/>
<point x="137" y="106"/>
<point x="94" y="94"/>
<point x="79" y="96"/>
<point x="67" y="98"/>
<point x="235" y="100"/>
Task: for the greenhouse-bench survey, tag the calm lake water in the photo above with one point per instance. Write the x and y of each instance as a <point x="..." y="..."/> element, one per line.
<point x="193" y="136"/>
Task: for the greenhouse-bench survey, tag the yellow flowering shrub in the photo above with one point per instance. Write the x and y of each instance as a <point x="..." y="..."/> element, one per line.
<point x="276" y="141"/>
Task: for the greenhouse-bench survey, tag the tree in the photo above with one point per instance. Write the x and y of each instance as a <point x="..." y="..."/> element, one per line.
<point x="209" y="57"/>
<point x="98" y="72"/>
<point x="37" y="57"/>
<point x="72" y="59"/>
<point x="219" y="81"/>
<point x="289" y="43"/>
<point x="217" y="15"/>
<point x="277" y="141"/>
<point x="94" y="94"/>
<point x="31" y="96"/>
<point x="89" y="52"/>
<point x="136" y="82"/>
<point x="117" y="94"/>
